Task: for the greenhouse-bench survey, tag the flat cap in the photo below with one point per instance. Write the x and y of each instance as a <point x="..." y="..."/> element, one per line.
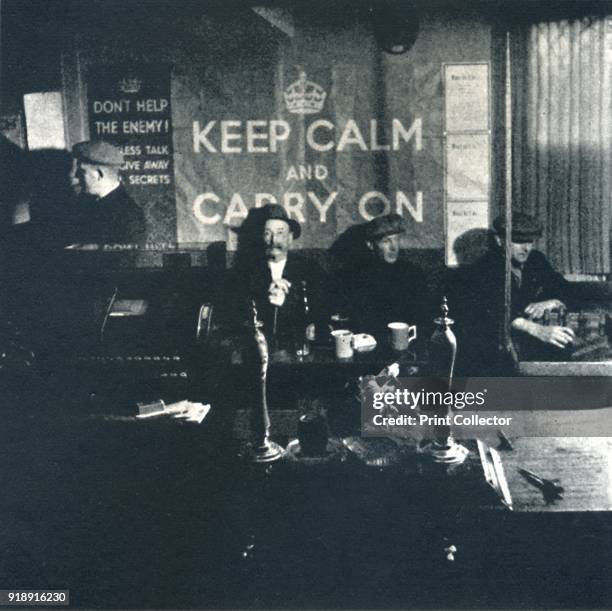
<point x="525" y="228"/>
<point x="382" y="226"/>
<point x="98" y="152"/>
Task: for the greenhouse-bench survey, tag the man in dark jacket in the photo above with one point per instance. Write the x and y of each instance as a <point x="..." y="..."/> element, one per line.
<point x="386" y="289"/>
<point x="108" y="214"/>
<point x="269" y="273"/>
<point x="537" y="289"/>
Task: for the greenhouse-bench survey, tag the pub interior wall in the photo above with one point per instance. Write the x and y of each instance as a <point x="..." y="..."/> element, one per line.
<point x="231" y="65"/>
<point x="234" y="65"/>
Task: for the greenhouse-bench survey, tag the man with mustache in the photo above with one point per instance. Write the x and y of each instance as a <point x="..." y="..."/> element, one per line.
<point x="273" y="276"/>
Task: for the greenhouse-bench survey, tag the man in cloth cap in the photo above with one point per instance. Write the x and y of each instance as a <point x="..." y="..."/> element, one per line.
<point x="385" y="288"/>
<point x="537" y="289"/>
<point x="109" y="214"/>
<point x="269" y="273"/>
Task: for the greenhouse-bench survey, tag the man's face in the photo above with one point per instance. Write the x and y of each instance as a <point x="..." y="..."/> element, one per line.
<point x="88" y="177"/>
<point x="386" y="249"/>
<point x="520" y="252"/>
<point x="277" y="239"/>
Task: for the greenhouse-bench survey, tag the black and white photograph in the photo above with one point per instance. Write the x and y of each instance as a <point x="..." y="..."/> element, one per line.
<point x="306" y="304"/>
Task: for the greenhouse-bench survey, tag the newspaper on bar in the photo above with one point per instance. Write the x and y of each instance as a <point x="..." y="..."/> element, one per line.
<point x="185" y="410"/>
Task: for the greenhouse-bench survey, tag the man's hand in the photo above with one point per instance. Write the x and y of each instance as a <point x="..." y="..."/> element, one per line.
<point x="538" y="309"/>
<point x="279" y="289"/>
<point x="553" y="335"/>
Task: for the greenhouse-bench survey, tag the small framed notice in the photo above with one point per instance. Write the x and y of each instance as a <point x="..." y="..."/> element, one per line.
<point x="45" y="120"/>
<point x="466" y="231"/>
<point x="467" y="167"/>
<point x="466" y="95"/>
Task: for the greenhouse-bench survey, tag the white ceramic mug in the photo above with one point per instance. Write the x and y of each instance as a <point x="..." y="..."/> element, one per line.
<point x="344" y="343"/>
<point x="401" y="334"/>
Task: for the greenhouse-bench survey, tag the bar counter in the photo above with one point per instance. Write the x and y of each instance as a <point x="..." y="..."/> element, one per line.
<point x="134" y="513"/>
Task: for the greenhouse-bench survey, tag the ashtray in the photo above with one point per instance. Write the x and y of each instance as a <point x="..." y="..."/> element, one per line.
<point x="362" y="342"/>
<point x="335" y="451"/>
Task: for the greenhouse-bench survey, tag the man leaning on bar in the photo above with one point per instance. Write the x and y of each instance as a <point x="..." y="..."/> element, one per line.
<point x="537" y="290"/>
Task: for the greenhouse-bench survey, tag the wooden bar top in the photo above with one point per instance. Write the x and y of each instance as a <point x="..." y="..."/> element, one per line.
<point x="583" y="466"/>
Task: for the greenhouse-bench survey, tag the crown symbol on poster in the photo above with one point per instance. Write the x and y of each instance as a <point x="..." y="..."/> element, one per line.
<point x="130" y="84"/>
<point x="304" y="97"/>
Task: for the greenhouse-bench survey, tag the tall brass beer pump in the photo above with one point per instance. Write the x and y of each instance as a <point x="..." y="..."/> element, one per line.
<point x="443" y="352"/>
<point x="261" y="449"/>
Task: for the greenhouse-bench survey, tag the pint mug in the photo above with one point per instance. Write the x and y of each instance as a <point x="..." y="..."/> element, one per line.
<point x="343" y="339"/>
<point x="401" y="335"/>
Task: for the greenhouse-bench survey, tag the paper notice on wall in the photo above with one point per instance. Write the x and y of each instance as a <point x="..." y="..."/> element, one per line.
<point x="466" y="89"/>
<point x="467" y="167"/>
<point x="466" y="231"/>
<point x="130" y="106"/>
<point x="44" y="120"/>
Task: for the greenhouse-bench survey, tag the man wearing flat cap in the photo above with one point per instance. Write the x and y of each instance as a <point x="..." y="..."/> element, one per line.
<point x="537" y="289"/>
<point x="108" y="214"/>
<point x="385" y="289"/>
<point x="268" y="272"/>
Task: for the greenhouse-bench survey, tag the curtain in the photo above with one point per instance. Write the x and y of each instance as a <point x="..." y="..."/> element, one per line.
<point x="562" y="119"/>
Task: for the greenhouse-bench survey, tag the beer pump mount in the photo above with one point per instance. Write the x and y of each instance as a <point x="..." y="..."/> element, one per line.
<point x="261" y="449"/>
<point x="443" y="352"/>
